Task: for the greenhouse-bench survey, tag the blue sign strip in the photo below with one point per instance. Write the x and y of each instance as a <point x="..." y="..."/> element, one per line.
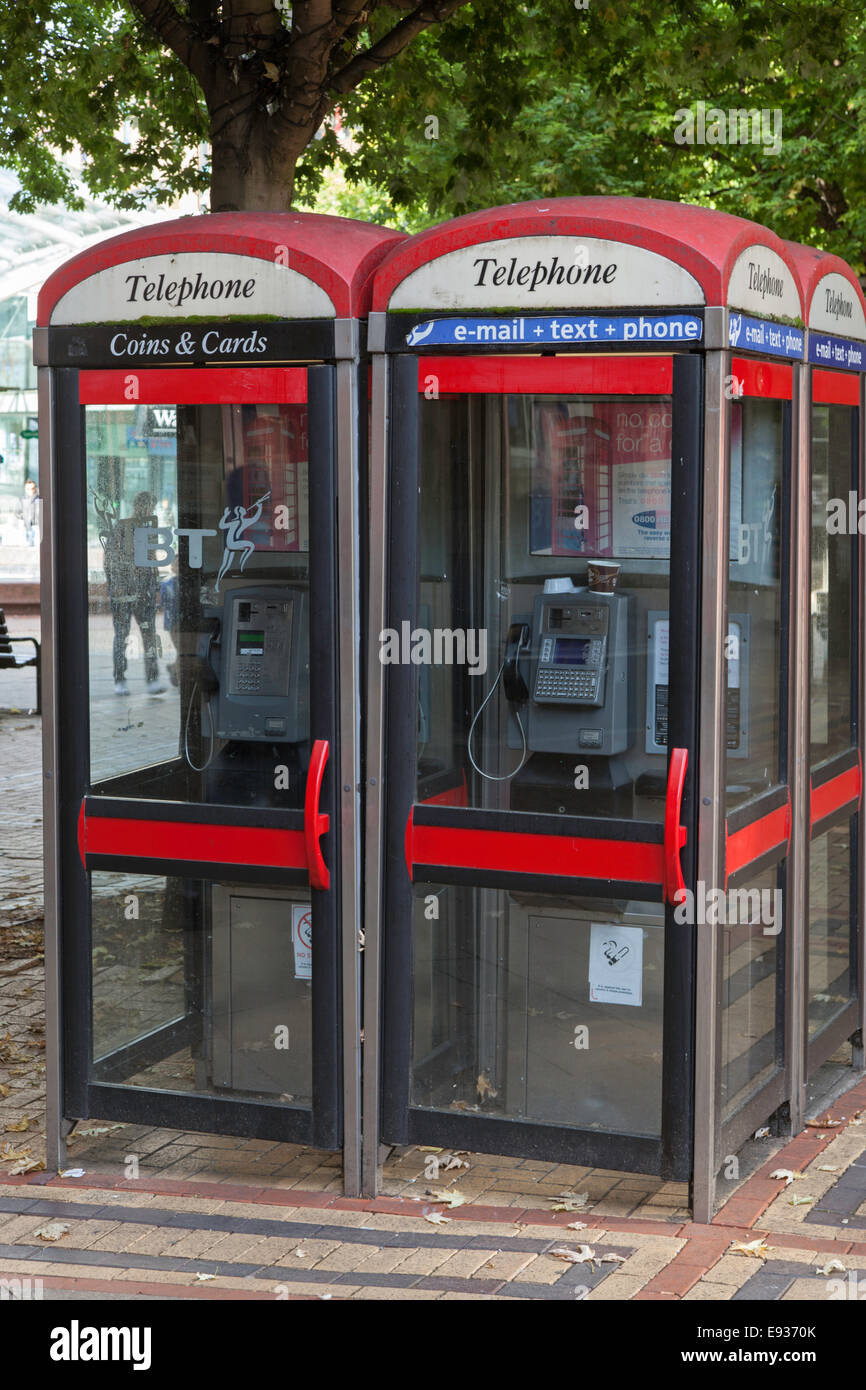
<point x="826" y="351"/>
<point x="557" y="330"/>
<point x="760" y="335"/>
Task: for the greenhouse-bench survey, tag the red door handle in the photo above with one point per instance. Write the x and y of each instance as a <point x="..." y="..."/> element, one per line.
<point x="675" y="834"/>
<point x="315" y="823"/>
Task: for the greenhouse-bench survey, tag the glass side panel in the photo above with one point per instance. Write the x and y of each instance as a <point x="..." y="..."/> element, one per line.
<point x="754" y="643"/>
<point x="202" y="988"/>
<point x="832" y="856"/>
<point x="752" y="984"/>
<point x="832" y="889"/>
<point x="198" y="601"/>
<point x="539" y="1008"/>
<point x="833" y="652"/>
<point x="541" y="630"/>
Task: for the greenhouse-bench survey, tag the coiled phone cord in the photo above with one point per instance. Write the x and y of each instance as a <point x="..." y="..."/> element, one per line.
<point x="211" y="739"/>
<point x="489" y="776"/>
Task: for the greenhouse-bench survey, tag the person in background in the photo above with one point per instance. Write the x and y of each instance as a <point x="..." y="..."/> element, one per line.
<point x="30" y="504"/>
<point x="132" y="592"/>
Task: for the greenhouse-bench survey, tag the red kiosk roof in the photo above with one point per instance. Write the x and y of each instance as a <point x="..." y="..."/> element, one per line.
<point x="336" y="253"/>
<point x="703" y="242"/>
<point x="811" y="266"/>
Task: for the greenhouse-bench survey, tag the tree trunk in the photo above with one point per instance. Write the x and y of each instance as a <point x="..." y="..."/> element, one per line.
<point x="251" y="169"/>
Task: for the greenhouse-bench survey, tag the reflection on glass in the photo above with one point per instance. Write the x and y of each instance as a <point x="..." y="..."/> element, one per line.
<point x="201" y="988"/>
<point x="751" y="998"/>
<point x="536" y="693"/>
<point x="832" y="566"/>
<point x="831" y="905"/>
<point x="539" y="1008"/>
<point x="197" y="543"/>
<point x="753" y="650"/>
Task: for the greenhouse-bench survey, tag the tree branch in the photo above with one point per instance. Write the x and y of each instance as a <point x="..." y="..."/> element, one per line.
<point x="392" y="44"/>
<point x="178" y="35"/>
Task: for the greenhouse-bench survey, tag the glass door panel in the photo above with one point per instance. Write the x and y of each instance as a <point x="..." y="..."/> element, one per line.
<point x="213" y="715"/>
<point x="833" y="755"/>
<point x="756" y="795"/>
<point x="538" y="643"/>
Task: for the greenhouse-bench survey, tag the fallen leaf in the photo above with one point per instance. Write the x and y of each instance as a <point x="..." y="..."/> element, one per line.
<point x="462" y="1105"/>
<point x="570" y="1202"/>
<point x="800" y="1201"/>
<point x="583" y="1255"/>
<point x="758" y="1248"/>
<point x="26" y="1165"/>
<point x="205" y="1277"/>
<point x="71" y="1173"/>
<point x="426" y="1149"/>
<point x="450" y="1198"/>
<point x="577" y="1225"/>
<point x="612" y="1260"/>
<point x="272" y="72"/>
<point x="484" y="1087"/>
<point x="454" y="1162"/>
<point x="54" y="1230"/>
<point x="97" y="1129"/>
<point x="787" y="1174"/>
<point x="436" y="1218"/>
<point x="832" y="1266"/>
<point x="827" y="1168"/>
<point x="823" y="1124"/>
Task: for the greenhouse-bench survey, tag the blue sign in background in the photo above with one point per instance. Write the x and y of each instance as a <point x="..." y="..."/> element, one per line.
<point x="760" y="335"/>
<point x="556" y="329"/>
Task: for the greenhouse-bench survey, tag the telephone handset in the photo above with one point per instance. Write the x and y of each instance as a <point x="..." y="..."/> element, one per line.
<point x="517" y="640"/>
<point x="258" y="685"/>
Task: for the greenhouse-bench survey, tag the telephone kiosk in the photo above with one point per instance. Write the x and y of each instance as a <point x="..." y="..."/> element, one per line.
<point x="569" y="681"/>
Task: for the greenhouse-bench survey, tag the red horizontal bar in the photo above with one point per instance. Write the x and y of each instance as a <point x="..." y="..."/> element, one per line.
<point x="835" y="388"/>
<point x="502" y="851"/>
<point x="744" y="846"/>
<point x="196" y="843"/>
<point x="194" y="386"/>
<point x="768" y="379"/>
<point x="566" y="375"/>
<point x="833" y="795"/>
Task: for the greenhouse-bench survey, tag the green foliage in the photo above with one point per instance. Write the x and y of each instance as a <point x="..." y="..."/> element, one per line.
<point x="538" y="99"/>
<point x="82" y="72"/>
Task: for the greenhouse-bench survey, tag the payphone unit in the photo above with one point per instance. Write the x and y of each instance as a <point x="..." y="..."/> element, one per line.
<point x="253" y="668"/>
<point x="262" y="693"/>
<point x="580" y="683"/>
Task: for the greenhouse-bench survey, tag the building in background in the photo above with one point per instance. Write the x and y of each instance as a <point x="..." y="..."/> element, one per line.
<point x="31" y="247"/>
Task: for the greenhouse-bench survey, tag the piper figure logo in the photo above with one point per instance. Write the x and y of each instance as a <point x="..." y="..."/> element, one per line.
<point x="242" y="518"/>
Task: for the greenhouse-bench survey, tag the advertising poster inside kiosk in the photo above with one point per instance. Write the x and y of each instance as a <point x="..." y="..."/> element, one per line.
<point x="545" y="526"/>
<point x="198" y="630"/>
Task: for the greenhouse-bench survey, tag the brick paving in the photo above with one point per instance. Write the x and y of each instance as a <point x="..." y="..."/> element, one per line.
<point x="213" y="1217"/>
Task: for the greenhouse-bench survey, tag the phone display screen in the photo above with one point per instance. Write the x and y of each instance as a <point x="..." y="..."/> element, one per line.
<point x="251" y="643"/>
<point x="571" y="651"/>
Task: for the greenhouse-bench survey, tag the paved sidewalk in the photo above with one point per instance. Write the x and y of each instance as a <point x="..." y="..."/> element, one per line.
<point x="213" y="1217"/>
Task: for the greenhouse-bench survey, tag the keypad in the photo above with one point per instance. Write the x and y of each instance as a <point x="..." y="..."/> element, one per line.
<point x="248" y="675"/>
<point x="566" y="685"/>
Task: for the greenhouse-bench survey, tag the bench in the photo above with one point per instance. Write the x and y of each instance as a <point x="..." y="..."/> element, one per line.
<point x="10" y="662"/>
